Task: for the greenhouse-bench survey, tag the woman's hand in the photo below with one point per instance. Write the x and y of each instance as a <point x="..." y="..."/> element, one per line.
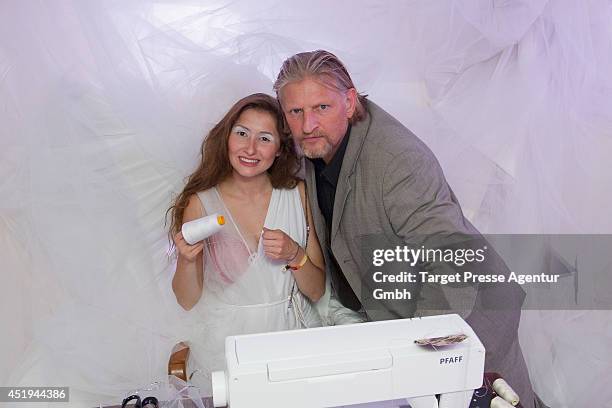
<point x="278" y="245"/>
<point x="188" y="252"/>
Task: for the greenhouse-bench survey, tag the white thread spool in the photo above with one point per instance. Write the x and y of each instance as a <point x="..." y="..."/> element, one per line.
<point x="219" y="388"/>
<point x="499" y="402"/>
<point x="501" y="387"/>
<point x="202" y="228"/>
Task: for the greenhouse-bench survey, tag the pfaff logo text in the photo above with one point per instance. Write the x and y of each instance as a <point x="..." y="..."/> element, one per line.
<point x="451" y="360"/>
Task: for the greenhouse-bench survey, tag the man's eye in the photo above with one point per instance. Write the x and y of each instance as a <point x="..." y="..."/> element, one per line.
<point x="295" y="111"/>
<point x="323" y="107"/>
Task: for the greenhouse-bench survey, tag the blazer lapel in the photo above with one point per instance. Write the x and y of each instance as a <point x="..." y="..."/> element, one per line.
<point x="349" y="162"/>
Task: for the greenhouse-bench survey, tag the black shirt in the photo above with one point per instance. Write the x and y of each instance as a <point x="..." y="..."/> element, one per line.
<point x="326" y="176"/>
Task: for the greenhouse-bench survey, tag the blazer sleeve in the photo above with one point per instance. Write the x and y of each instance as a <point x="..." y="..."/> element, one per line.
<point x="421" y="208"/>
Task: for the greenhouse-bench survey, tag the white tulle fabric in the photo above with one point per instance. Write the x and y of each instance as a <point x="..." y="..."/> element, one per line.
<point x="246" y="291"/>
<point x="103" y="106"/>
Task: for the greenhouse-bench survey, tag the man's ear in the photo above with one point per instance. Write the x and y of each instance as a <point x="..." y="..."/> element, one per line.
<point x="351" y="102"/>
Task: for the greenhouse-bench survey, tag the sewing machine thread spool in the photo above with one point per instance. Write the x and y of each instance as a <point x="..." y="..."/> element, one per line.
<point x="499" y="402"/>
<point x="202" y="228"/>
<point x="503" y="389"/>
<point x="219" y="388"/>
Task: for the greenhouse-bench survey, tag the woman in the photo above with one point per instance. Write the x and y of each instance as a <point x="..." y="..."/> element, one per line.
<point x="256" y="273"/>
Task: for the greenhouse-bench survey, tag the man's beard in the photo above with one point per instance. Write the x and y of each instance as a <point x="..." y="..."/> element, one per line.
<point x="317" y="152"/>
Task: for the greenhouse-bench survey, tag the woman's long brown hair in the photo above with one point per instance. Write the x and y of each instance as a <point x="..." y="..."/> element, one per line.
<point x="215" y="166"/>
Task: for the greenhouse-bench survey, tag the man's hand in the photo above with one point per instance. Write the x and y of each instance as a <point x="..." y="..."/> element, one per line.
<point x="186" y="251"/>
<point x="278" y="245"/>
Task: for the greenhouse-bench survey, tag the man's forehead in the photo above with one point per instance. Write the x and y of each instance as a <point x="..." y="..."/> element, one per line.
<point x="309" y="87"/>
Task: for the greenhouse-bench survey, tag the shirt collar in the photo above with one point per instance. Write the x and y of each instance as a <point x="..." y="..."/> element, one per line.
<point x="331" y="170"/>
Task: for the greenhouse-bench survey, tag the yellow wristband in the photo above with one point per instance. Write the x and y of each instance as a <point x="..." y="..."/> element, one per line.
<point x="300" y="264"/>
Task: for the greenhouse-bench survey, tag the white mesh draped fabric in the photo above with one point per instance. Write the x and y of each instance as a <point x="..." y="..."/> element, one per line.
<point x="103" y="106"/>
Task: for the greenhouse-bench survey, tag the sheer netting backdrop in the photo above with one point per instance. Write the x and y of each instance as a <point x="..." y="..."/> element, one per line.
<point x="103" y="105"/>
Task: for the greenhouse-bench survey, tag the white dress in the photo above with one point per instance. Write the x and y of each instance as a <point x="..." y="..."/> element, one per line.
<point x="244" y="290"/>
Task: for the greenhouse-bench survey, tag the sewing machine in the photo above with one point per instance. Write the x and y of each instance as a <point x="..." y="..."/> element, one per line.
<point x="352" y="364"/>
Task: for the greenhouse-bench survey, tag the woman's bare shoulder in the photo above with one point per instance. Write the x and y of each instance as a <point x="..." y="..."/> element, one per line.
<point x="301" y="187"/>
<point x="194" y="209"/>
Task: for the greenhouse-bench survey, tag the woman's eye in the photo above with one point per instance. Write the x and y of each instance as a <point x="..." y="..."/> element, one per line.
<point x="241" y="133"/>
<point x="265" y="139"/>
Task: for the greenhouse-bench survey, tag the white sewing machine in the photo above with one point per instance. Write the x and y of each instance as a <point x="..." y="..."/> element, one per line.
<point x="352" y="364"/>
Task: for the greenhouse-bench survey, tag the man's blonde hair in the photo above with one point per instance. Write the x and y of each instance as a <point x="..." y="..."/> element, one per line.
<point x="322" y="65"/>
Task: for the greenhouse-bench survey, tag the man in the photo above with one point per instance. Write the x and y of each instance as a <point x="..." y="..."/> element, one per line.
<point x="373" y="184"/>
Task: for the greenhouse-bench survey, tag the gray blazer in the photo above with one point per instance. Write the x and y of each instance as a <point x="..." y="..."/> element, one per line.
<point x="391" y="192"/>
